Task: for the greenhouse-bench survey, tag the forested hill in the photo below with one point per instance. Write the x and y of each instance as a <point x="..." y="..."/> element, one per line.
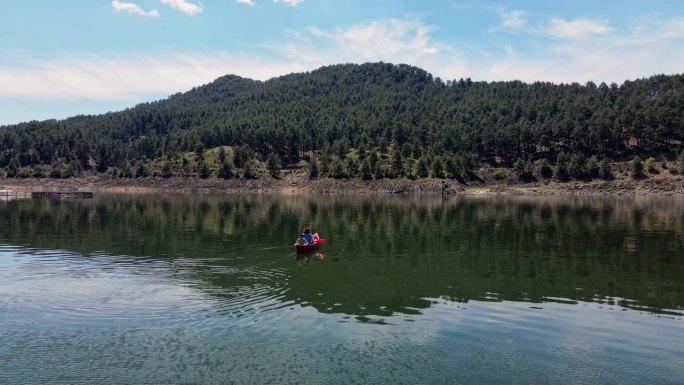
<point x="370" y="121"/>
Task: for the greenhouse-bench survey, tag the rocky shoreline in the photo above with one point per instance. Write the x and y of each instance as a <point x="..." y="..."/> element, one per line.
<point x="295" y="183"/>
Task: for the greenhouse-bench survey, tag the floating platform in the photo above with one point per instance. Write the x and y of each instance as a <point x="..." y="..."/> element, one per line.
<point x="61" y="194"/>
<point x="9" y="194"/>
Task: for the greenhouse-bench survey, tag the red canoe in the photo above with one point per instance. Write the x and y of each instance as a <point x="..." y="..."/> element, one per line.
<point x="310" y="247"/>
<point x="305" y="248"/>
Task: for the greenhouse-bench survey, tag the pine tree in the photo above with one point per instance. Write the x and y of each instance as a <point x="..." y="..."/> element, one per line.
<point x="75" y="168"/>
<point x="455" y="168"/>
<point x="126" y="170"/>
<point x="397" y="163"/>
<point x="274" y="165"/>
<point x="241" y="156"/>
<point x="422" y="168"/>
<point x="562" y="167"/>
<point x="199" y="150"/>
<point x="637" y="167"/>
<point x="351" y="168"/>
<point x="226" y="170"/>
<point x="593" y="167"/>
<point x="313" y="169"/>
<point x="519" y="168"/>
<point x="378" y="171"/>
<point x="544" y="169"/>
<point x="524" y="170"/>
<point x="250" y="170"/>
<point x="324" y="169"/>
<point x="203" y="169"/>
<point x="408" y="168"/>
<point x="605" y="171"/>
<point x="222" y="155"/>
<point x="141" y="171"/>
<point x="336" y="169"/>
<point x="38" y="171"/>
<point x="577" y="166"/>
<point x="437" y="168"/>
<point x="167" y="172"/>
<point x="366" y="170"/>
<point x="186" y="167"/>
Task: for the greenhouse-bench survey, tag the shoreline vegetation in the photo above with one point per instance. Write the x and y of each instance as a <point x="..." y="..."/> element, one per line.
<point x="371" y="128"/>
<point x="297" y="181"/>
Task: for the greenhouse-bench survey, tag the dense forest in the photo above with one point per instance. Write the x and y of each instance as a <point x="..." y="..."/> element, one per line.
<point x="365" y="121"/>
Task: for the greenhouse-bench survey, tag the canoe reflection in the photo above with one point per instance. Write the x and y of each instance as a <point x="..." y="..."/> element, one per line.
<point x="305" y="259"/>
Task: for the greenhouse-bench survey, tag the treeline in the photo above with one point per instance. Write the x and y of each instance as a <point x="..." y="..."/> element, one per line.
<point x="364" y="121"/>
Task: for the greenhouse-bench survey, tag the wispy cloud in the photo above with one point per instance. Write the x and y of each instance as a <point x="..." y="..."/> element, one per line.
<point x="673" y="28"/>
<point x="183" y="6"/>
<point x="119" y="6"/>
<point x="289" y="3"/>
<point x="125" y="78"/>
<point x="120" y="78"/>
<point x="606" y="57"/>
<point x="598" y="57"/>
<point x="511" y="19"/>
<point x="377" y="39"/>
<point x="391" y="40"/>
<point x="248" y="2"/>
<point x="577" y="28"/>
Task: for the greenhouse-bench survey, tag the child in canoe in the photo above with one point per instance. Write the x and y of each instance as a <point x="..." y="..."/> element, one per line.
<point x="307" y="235"/>
<point x="301" y="241"/>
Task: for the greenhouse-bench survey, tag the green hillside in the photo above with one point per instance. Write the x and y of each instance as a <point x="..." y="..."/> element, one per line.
<point x="363" y="121"/>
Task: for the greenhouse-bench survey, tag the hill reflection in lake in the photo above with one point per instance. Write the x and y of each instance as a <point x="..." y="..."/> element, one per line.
<point x="385" y="255"/>
<point x="207" y="289"/>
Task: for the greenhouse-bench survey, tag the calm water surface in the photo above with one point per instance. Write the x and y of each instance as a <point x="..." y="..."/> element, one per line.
<point x="178" y="289"/>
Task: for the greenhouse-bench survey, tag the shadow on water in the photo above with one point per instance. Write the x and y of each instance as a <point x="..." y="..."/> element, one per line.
<point x="385" y="255"/>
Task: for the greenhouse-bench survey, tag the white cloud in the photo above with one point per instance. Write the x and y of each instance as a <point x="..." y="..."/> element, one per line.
<point x="598" y="58"/>
<point x="577" y="28"/>
<point x="379" y="39"/>
<point x="183" y="6"/>
<point x="513" y="20"/>
<point x="289" y="3"/>
<point x="119" y="6"/>
<point x="103" y="78"/>
<point x="248" y="2"/>
<point x="601" y="57"/>
<point x="673" y="28"/>
<point x="392" y="40"/>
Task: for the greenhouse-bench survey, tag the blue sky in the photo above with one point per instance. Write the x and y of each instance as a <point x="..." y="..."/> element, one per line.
<point x="62" y="58"/>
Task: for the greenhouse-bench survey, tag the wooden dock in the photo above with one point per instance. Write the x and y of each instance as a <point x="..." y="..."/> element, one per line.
<point x="61" y="194"/>
<point x="6" y="195"/>
<point x="9" y="194"/>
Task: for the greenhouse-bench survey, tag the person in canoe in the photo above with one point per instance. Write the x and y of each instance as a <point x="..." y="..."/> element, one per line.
<point x="301" y="241"/>
<point x="307" y="235"/>
<point x="306" y="242"/>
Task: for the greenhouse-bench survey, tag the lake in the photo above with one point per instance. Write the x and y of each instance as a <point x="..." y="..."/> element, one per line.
<point x="150" y="289"/>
